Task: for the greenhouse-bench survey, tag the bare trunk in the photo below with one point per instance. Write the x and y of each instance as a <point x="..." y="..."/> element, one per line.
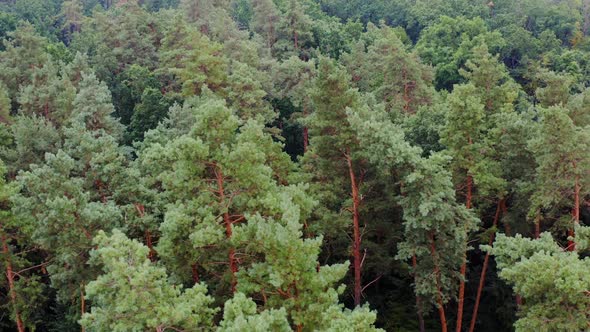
<point x="228" y="228"/>
<point x="356" y="249"/>
<point x="482" y="277"/>
<point x="461" y="300"/>
<point x="10" y="276"/>
<point x="150" y="245"/>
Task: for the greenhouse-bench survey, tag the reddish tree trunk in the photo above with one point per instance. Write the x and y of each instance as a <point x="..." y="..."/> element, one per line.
<point x="148" y="235"/>
<point x="461" y="300"/>
<point x="233" y="267"/>
<point x="575" y="213"/>
<point x="356" y="248"/>
<point x="10" y="276"/>
<point x="469" y="197"/>
<point x="150" y="245"/>
<point x="439" y="301"/>
<point x="482" y="277"/>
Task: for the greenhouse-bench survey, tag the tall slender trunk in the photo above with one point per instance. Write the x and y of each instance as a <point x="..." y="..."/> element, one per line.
<point x="418" y="299"/>
<point x="461" y="300"/>
<point x="482" y="277"/>
<point x="11" y="288"/>
<point x="233" y="266"/>
<point x="469" y="197"/>
<point x="538" y="225"/>
<point x="356" y="248"/>
<point x="575" y="212"/>
<point x="439" y="301"/>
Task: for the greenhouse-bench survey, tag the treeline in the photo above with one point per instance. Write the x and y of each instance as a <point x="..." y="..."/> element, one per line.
<point x="294" y="165"/>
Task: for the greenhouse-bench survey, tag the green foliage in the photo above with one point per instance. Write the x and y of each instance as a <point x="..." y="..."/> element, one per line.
<point x="143" y="148"/>
<point x="553" y="282"/>
<point x="448" y="45"/>
<point x="560" y="149"/>
<point x="133" y="294"/>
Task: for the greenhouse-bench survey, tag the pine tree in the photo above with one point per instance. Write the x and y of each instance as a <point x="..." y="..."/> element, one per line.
<point x="560" y="149"/>
<point x="240" y="314"/>
<point x="293" y="79"/>
<point x="24" y="51"/>
<point x="336" y="148"/>
<point x="8" y="231"/>
<point x="29" y="138"/>
<point x="48" y="95"/>
<point x="391" y="72"/>
<point x="68" y="197"/>
<point x="294" y="31"/>
<point x="289" y="277"/>
<point x="474" y="110"/>
<point x="246" y="94"/>
<point x="72" y="16"/>
<point x="555" y="88"/>
<point x="191" y="61"/>
<point x="552" y="281"/>
<point x="5" y="105"/>
<point x="265" y="20"/>
<point x="434" y="224"/>
<point x="134" y="294"/>
<point x="229" y="171"/>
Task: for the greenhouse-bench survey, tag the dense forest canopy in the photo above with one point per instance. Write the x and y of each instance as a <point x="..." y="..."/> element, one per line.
<point x="295" y="165"/>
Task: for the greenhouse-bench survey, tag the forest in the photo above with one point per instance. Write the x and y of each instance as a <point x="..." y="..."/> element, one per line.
<point x="294" y="165"/>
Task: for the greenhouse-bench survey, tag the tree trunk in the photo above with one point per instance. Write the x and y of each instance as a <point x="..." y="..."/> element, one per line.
<point x="461" y="300"/>
<point x="356" y="248"/>
<point x="469" y="197"/>
<point x="11" y="288"/>
<point x="233" y="267"/>
<point x="418" y="300"/>
<point x="148" y="235"/>
<point x="82" y="304"/>
<point x="482" y="277"/>
<point x="575" y="213"/>
<point x="439" y="301"/>
<point x="150" y="245"/>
